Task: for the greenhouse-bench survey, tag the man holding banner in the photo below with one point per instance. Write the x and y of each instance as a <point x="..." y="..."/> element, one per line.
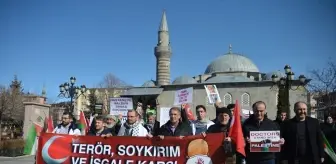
<point x="260" y="152"/>
<point x="175" y="126"/>
<point x="132" y="126"/>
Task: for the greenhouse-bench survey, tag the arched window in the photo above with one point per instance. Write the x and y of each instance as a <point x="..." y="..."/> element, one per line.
<point x="245" y="99"/>
<point x="276" y="98"/>
<point x="227" y="99"/>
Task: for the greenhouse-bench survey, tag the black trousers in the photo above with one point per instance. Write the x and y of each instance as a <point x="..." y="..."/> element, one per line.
<point x="301" y="161"/>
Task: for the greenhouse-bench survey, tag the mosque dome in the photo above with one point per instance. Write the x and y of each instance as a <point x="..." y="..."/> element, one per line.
<point x="231" y="62"/>
<point x="279" y="73"/>
<point x="227" y="79"/>
<point x="149" y="83"/>
<point x="184" y="80"/>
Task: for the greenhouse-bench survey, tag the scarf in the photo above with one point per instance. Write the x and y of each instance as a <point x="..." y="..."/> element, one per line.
<point x="201" y="126"/>
<point x="131" y="129"/>
<point x="150" y="127"/>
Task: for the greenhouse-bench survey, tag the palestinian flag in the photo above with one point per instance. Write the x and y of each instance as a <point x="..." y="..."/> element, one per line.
<point x="32" y="139"/>
<point x="83" y="126"/>
<point x="328" y="149"/>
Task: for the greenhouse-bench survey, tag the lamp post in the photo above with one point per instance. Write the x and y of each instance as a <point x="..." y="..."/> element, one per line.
<point x="285" y="84"/>
<point x="69" y="90"/>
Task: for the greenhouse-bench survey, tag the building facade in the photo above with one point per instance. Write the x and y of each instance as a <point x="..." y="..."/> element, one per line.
<point x="326" y="105"/>
<point x="235" y="75"/>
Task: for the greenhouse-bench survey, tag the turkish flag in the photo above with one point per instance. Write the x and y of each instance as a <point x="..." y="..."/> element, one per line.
<point x="50" y="124"/>
<point x="236" y="132"/>
<point x="188" y="111"/>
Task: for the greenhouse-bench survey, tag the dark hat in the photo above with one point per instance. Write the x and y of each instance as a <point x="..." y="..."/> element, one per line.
<point x="231" y="106"/>
<point x="223" y="110"/>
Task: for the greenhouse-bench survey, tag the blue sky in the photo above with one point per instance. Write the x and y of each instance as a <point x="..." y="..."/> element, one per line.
<point x="46" y="42"/>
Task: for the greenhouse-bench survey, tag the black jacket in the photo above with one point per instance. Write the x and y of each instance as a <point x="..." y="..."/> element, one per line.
<point x="218" y="128"/>
<point x="253" y="125"/>
<point x="155" y="129"/>
<point x="115" y="129"/>
<point x="105" y="131"/>
<point x="183" y="129"/>
<point x="314" y="138"/>
<point x="329" y="131"/>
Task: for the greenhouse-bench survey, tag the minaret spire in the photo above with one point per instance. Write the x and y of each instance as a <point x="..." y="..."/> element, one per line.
<point x="230" y="49"/>
<point x="44" y="92"/>
<point x="163" y="53"/>
<point x="163" y="24"/>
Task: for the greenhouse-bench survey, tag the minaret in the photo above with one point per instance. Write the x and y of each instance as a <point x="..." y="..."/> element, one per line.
<point x="44" y="92"/>
<point x="163" y="53"/>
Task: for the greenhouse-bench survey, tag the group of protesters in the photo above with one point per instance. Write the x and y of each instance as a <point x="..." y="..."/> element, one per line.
<point x="301" y="136"/>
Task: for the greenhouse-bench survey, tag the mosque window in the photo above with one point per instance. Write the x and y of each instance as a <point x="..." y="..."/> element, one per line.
<point x="227" y="99"/>
<point x="245" y="99"/>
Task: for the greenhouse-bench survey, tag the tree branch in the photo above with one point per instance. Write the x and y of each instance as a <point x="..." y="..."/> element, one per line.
<point x="324" y="82"/>
<point x="112" y="81"/>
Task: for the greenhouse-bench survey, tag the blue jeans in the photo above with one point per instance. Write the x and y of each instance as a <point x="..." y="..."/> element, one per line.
<point x="271" y="161"/>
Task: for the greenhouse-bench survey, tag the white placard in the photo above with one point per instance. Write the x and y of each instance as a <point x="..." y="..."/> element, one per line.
<point x="123" y="120"/>
<point x="265" y="141"/>
<point x="257" y="136"/>
<point x="120" y="105"/>
<point x="213" y="94"/>
<point x="164" y="115"/>
<point x="183" y="96"/>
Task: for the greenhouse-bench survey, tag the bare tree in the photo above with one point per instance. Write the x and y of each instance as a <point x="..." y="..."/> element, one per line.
<point x="324" y="84"/>
<point x="11" y="104"/>
<point x="4" y="99"/>
<point x="112" y="81"/>
<point x="11" y="107"/>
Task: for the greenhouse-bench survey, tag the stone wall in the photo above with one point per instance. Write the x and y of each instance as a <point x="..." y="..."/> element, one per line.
<point x="34" y="112"/>
<point x="256" y="91"/>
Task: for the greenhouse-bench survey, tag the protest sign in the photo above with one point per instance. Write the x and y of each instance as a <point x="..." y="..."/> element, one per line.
<point x="164" y="115"/>
<point x="265" y="141"/>
<point x="183" y="96"/>
<point x="212" y="93"/>
<point x="120" y="105"/>
<point x="66" y="149"/>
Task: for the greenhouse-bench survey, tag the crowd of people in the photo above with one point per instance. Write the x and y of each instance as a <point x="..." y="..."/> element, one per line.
<point x="301" y="136"/>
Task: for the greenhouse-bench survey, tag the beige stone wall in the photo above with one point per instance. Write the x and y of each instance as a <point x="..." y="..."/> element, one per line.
<point x="255" y="91"/>
<point x="32" y="113"/>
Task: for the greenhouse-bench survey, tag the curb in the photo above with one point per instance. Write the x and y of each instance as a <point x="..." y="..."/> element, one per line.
<point x="18" y="157"/>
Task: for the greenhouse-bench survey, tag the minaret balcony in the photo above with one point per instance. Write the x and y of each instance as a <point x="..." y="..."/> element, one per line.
<point x="161" y="48"/>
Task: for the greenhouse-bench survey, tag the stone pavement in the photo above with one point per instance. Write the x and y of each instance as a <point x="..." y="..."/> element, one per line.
<point x="17" y="160"/>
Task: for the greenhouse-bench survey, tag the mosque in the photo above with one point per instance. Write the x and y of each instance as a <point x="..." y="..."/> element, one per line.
<point x="235" y="76"/>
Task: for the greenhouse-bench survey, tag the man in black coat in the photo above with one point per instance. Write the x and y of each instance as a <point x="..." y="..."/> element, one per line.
<point x="259" y="122"/>
<point x="100" y="129"/>
<point x="152" y="125"/>
<point x="303" y="138"/>
<point x="178" y="124"/>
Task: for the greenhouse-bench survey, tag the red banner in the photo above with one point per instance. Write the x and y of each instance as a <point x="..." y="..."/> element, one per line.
<point x="65" y="149"/>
